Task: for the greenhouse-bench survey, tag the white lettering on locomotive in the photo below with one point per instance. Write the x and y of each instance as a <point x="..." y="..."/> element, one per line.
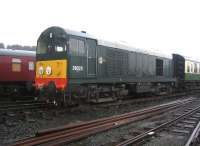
<point x="77" y="68"/>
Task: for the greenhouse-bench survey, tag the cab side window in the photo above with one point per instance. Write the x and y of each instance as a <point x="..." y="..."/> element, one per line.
<point x="77" y="47"/>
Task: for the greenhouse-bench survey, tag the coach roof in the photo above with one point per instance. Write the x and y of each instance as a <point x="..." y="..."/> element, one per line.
<point x="5" y="52"/>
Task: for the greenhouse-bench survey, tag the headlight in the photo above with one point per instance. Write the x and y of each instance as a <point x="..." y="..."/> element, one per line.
<point x="48" y="70"/>
<point x="41" y="70"/>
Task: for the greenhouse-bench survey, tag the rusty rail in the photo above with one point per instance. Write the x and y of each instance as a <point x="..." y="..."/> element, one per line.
<point x="22" y="105"/>
<point x="69" y="133"/>
<point x="158" y="128"/>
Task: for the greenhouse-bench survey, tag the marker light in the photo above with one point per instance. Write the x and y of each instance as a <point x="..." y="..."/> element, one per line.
<point x="41" y="70"/>
<point x="48" y="70"/>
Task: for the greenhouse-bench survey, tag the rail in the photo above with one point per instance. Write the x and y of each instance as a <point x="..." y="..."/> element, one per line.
<point x="160" y="127"/>
<point x="70" y="133"/>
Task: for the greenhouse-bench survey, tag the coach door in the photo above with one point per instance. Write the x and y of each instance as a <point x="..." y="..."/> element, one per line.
<point x="91" y="57"/>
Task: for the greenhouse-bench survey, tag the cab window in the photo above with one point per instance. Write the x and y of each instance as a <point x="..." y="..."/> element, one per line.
<point x="51" y="46"/>
<point x="42" y="47"/>
<point x="76" y="47"/>
<point x="59" y="49"/>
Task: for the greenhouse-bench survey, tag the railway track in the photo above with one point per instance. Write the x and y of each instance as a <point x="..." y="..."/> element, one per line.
<point x="30" y="104"/>
<point x="194" y="137"/>
<point x="186" y="125"/>
<point x="70" y="133"/>
<point x="21" y="105"/>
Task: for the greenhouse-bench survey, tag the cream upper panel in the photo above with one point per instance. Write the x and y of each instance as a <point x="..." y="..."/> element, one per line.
<point x="192" y="67"/>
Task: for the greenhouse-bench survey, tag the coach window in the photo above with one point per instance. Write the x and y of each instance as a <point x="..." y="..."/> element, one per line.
<point x="188" y="68"/>
<point x="76" y="47"/>
<point x="192" y="68"/>
<point x="195" y="68"/>
<point x="16" y="65"/>
<point x="199" y="68"/>
<point x="31" y="66"/>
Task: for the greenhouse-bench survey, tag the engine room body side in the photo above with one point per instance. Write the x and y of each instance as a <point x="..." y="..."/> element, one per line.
<point x="102" y="64"/>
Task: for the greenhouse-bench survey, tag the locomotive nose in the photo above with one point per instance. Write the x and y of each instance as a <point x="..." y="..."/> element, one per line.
<point x="51" y="73"/>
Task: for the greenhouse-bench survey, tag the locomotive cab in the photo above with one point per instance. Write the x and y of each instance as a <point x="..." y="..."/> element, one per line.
<point x="51" y="56"/>
<point x="53" y="42"/>
<point x="64" y="59"/>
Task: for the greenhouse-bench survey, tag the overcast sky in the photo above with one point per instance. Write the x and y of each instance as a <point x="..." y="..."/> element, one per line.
<point x="166" y="26"/>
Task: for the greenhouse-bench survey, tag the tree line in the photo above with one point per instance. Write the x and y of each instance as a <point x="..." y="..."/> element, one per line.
<point x="18" y="47"/>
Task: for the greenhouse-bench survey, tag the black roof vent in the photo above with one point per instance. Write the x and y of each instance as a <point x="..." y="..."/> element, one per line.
<point x="83" y="31"/>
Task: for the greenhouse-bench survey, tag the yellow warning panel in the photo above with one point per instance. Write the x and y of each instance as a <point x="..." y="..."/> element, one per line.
<point x="51" y="69"/>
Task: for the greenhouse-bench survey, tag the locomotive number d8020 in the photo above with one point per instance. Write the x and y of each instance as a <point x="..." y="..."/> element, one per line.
<point x="83" y="67"/>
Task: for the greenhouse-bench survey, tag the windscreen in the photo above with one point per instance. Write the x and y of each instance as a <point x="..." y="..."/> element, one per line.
<point x="48" y="44"/>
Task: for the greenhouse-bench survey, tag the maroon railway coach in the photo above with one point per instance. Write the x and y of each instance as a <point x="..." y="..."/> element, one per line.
<point x="17" y="71"/>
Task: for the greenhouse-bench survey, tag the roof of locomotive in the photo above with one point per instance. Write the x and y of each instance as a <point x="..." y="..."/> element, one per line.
<point x="117" y="45"/>
<point x="5" y="52"/>
<point x="101" y="42"/>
